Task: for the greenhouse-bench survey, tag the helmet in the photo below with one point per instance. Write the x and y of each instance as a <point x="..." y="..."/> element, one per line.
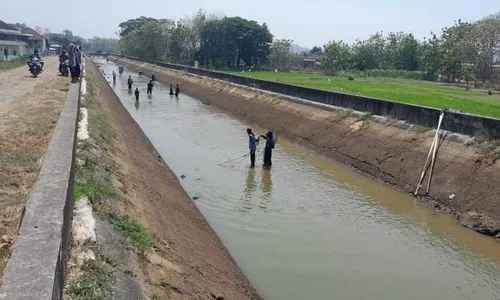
<point x="64" y="52"/>
<point x="36" y="50"/>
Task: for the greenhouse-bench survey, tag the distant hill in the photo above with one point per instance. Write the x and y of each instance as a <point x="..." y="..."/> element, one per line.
<point x="299" y="49"/>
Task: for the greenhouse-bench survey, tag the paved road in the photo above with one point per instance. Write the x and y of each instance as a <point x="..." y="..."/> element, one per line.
<point x="17" y="82"/>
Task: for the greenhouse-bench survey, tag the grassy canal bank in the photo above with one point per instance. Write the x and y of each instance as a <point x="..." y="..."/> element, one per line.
<point x="431" y="94"/>
<point x="136" y="233"/>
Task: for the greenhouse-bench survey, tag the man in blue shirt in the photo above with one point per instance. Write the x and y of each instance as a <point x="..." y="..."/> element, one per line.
<point x="253" y="141"/>
<point x="35" y="55"/>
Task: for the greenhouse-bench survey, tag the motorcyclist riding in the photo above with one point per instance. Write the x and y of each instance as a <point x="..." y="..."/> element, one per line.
<point x="35" y="55"/>
<point x="63" y="56"/>
<point x="63" y="63"/>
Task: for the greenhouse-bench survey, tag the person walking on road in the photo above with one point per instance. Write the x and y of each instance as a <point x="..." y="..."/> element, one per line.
<point x="136" y="94"/>
<point x="150" y="87"/>
<point x="253" y="141"/>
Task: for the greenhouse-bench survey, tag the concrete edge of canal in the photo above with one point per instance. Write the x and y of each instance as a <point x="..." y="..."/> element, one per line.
<point x="390" y="151"/>
<point x="36" y="268"/>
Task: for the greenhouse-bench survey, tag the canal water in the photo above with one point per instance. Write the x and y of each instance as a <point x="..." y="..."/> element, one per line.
<point x="310" y="228"/>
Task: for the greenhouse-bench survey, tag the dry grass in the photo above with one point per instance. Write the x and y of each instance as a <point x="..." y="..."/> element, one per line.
<point x="26" y="126"/>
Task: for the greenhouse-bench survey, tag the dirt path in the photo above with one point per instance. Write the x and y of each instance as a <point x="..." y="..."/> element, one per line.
<point x="29" y="110"/>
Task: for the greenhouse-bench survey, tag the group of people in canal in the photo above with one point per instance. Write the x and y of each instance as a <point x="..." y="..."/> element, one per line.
<point x="150" y="85"/>
<point x="253" y="142"/>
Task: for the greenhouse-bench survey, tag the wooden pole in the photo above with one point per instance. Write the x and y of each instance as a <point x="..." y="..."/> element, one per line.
<point x="433" y="145"/>
<point x="435" y="151"/>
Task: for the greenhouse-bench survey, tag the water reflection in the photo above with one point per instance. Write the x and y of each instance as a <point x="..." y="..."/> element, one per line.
<point x="136" y="104"/>
<point x="249" y="191"/>
<point x="266" y="184"/>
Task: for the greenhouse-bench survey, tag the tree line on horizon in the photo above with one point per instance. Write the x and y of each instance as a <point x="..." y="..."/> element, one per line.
<point x="465" y="51"/>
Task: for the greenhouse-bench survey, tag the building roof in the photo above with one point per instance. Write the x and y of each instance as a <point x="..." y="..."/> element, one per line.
<point x="4" y="25"/>
<point x="312" y="57"/>
<point x="34" y="35"/>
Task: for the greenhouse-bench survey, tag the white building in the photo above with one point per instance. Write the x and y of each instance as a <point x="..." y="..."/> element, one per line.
<point x="35" y="41"/>
<point x="13" y="42"/>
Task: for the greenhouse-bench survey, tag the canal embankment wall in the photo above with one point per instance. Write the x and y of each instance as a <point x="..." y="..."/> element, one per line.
<point x="466" y="171"/>
<point x="37" y="266"/>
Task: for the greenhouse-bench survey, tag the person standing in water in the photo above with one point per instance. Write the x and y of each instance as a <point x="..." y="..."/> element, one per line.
<point x="253" y="141"/>
<point x="171" y="90"/>
<point x="114" y="76"/>
<point x="130" y="82"/>
<point x="177" y="90"/>
<point x="136" y="94"/>
<point x="150" y="87"/>
<point x="153" y="77"/>
<point x="268" y="149"/>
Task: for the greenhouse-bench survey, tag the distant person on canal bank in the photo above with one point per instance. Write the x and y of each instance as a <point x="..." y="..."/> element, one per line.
<point x="130" y="82"/>
<point x="150" y="87"/>
<point x="177" y="90"/>
<point x="153" y="77"/>
<point x="72" y="62"/>
<point x="253" y="141"/>
<point x="136" y="94"/>
<point x="171" y="90"/>
<point x="268" y="150"/>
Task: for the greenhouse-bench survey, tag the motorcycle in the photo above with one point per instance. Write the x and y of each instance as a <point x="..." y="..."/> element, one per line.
<point x="35" y="67"/>
<point x="64" y="68"/>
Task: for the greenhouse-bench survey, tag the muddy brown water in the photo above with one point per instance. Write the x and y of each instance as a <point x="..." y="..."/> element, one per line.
<point x="310" y="228"/>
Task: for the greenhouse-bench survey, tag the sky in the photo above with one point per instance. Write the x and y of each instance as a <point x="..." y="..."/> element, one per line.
<point x="310" y="23"/>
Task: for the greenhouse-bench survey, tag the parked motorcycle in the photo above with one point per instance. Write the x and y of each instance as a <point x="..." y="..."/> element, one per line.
<point x="64" y="68"/>
<point x="35" y="67"/>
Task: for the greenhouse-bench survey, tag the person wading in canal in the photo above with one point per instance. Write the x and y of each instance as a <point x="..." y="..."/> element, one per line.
<point x="268" y="149"/>
<point x="177" y="90"/>
<point x="153" y="77"/>
<point x="136" y="94"/>
<point x="150" y="87"/>
<point x="171" y="90"/>
<point x="130" y="82"/>
<point x="253" y="141"/>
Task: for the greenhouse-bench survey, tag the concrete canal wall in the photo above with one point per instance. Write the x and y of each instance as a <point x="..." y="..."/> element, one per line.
<point x="36" y="268"/>
<point x="419" y="115"/>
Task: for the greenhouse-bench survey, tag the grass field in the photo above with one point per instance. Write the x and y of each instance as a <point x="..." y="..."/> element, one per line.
<point x="408" y="91"/>
<point x="7" y="65"/>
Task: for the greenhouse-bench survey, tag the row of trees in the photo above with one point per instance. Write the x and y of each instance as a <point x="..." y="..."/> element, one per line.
<point x="213" y="40"/>
<point x="463" y="51"/>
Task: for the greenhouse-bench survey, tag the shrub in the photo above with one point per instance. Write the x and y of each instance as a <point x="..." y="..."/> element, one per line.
<point x="350" y="78"/>
<point x="490" y="92"/>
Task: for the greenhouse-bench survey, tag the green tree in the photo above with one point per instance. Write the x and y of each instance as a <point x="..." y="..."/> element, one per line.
<point x="336" y="57"/>
<point x="230" y="41"/>
<point x="468" y="72"/>
<point x="281" y="50"/>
